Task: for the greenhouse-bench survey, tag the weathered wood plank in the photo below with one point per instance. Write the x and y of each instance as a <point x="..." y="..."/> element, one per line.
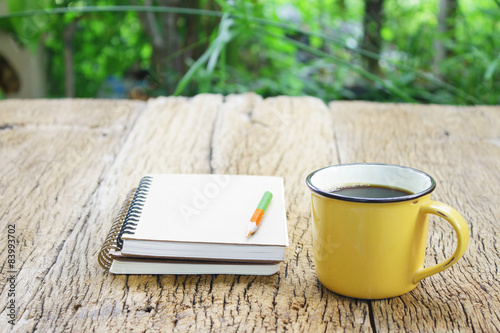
<point x="292" y="299"/>
<point x="460" y="147"/>
<point x="53" y="156"/>
<point x="67" y="165"/>
<point x="287" y="137"/>
<point x="171" y="135"/>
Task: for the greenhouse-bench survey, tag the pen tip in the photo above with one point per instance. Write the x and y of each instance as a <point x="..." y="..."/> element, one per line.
<point x="249" y="233"/>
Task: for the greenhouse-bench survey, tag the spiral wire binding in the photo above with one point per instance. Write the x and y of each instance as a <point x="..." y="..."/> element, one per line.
<point x="135" y="210"/>
<point x="125" y="222"/>
<point x="109" y="244"/>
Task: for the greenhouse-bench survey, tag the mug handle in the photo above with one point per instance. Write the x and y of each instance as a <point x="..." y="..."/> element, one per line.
<point x="457" y="221"/>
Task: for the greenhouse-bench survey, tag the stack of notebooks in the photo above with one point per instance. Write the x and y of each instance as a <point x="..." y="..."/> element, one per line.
<point x="197" y="224"/>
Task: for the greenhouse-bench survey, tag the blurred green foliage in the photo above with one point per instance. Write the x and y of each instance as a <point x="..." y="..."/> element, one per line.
<point x="105" y="44"/>
<point x="294" y="47"/>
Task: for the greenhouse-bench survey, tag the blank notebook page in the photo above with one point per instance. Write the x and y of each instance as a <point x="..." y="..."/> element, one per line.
<point x="211" y="209"/>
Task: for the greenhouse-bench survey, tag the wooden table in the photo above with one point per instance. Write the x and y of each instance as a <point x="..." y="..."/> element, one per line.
<point x="66" y="166"/>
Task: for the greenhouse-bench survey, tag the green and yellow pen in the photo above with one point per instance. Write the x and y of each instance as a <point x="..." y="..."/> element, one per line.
<point x="254" y="223"/>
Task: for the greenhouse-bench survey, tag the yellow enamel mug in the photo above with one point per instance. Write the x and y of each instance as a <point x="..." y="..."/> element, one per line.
<point x="374" y="248"/>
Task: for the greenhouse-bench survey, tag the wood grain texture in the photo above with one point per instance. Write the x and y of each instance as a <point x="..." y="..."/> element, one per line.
<point x="77" y="295"/>
<point x="68" y="164"/>
<point x="460" y="148"/>
<point x="53" y="156"/>
<point x="287" y="137"/>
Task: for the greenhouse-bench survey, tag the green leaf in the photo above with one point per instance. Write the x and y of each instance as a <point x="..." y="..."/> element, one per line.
<point x="491" y="69"/>
<point x="387" y="34"/>
<point x="211" y="54"/>
<point x="222" y="39"/>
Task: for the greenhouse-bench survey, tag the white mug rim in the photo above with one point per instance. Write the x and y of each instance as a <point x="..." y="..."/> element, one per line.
<point x="321" y="191"/>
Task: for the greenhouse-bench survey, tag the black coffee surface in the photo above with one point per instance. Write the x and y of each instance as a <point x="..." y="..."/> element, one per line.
<point x="371" y="191"/>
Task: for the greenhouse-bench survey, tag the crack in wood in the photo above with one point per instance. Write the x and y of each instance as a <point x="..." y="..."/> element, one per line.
<point x="212" y="135"/>
<point x="373" y="324"/>
<point x="6" y="126"/>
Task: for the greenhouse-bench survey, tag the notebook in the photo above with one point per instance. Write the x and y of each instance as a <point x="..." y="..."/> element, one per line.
<point x="197" y="224"/>
<point x="162" y="266"/>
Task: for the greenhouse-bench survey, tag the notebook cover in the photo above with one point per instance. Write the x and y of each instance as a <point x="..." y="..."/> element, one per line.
<point x="211" y="209"/>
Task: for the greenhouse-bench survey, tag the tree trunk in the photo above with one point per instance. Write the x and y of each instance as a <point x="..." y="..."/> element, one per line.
<point x="193" y="27"/>
<point x="69" y="65"/>
<point x="166" y="60"/>
<point x="372" y="40"/>
<point x="446" y="28"/>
